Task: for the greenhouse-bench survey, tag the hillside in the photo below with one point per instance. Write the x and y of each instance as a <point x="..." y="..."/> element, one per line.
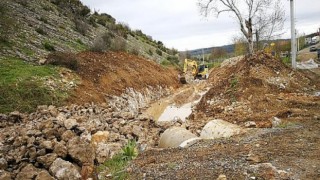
<point x="33" y="29"/>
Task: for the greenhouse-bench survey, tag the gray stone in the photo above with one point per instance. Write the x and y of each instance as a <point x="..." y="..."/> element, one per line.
<point x="64" y="170"/>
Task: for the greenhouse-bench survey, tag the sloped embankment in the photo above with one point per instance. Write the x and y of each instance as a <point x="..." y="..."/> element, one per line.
<point x="113" y="73"/>
<point x="256" y="89"/>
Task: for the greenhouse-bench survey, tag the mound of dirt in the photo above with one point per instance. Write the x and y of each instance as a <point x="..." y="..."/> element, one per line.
<point x="111" y="73"/>
<point x="257" y="88"/>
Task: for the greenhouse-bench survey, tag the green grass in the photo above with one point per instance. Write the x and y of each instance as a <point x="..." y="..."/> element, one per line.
<point x="116" y="166"/>
<point x="22" y="89"/>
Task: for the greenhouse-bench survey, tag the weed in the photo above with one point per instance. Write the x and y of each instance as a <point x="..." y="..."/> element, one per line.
<point x="118" y="44"/>
<point x="135" y="51"/>
<point x="81" y="27"/>
<point x="286" y="124"/>
<point x="102" y="42"/>
<point x="129" y="151"/>
<point x="116" y="165"/>
<point x="79" y="41"/>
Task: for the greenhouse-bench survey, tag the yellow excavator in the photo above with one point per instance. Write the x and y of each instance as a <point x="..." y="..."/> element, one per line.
<point x="192" y="71"/>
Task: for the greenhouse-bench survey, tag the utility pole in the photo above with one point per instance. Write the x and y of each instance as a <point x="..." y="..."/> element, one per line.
<point x="293" y="36"/>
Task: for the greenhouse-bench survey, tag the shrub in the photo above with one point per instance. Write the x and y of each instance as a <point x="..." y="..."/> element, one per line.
<point x="129" y="151"/>
<point x="159" y="52"/>
<point x="43" y="19"/>
<point x="48" y="46"/>
<point x="67" y="60"/>
<point x="150" y="52"/>
<point x="41" y="31"/>
<point x="85" y="11"/>
<point x="135" y="51"/>
<point x="118" y="44"/>
<point x="102" y="43"/>
<point x="81" y="26"/>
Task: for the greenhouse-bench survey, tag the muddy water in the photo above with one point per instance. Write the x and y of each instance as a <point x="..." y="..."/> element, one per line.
<point x="177" y="106"/>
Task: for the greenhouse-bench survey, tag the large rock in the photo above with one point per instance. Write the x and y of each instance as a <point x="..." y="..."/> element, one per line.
<point x="219" y="129"/>
<point x="81" y="151"/>
<point x="64" y="170"/>
<point x="174" y="136"/>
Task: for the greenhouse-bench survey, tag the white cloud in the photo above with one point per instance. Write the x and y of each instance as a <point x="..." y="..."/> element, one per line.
<point x="178" y="23"/>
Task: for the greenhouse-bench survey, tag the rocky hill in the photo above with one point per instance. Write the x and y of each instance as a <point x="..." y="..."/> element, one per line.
<point x="31" y="30"/>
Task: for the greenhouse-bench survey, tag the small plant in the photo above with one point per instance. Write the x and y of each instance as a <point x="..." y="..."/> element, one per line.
<point x="79" y="41"/>
<point x="48" y="46"/>
<point x="116" y="165"/>
<point x="129" y="151"/>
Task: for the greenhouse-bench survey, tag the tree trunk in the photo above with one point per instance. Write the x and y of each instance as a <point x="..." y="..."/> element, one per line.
<point x="250" y="35"/>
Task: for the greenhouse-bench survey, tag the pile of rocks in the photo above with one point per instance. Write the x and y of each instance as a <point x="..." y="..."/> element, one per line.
<point x="67" y="142"/>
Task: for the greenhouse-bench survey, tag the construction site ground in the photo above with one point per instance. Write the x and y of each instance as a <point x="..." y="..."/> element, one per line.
<point x="278" y="107"/>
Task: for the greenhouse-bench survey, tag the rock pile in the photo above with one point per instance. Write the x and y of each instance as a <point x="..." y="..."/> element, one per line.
<point x="66" y="142"/>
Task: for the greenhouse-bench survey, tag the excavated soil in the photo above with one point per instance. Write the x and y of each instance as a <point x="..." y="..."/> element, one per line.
<point x="106" y="74"/>
<point x="259" y="90"/>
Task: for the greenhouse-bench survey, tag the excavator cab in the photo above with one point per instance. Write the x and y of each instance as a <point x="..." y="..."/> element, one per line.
<point x="192" y="71"/>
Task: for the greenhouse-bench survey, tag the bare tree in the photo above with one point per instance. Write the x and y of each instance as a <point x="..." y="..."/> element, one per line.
<point x="249" y="14"/>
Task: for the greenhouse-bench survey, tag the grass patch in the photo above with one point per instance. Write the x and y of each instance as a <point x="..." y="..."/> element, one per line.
<point x="116" y="165"/>
<point x="48" y="46"/>
<point x="22" y="89"/>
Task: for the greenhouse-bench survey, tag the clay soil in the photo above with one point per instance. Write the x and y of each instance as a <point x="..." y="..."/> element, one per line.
<point x="256" y="89"/>
<point x="107" y="74"/>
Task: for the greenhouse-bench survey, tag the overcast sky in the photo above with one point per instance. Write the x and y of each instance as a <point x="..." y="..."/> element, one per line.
<point x="178" y="23"/>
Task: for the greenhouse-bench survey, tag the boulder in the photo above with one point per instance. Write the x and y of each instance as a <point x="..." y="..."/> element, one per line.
<point x="219" y="128"/>
<point x="46" y="145"/>
<point x="67" y="135"/>
<point x="174" y="136"/>
<point x="64" y="170"/>
<point x="3" y="163"/>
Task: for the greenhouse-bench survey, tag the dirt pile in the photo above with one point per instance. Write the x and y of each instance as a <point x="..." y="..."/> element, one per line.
<point x="112" y="73"/>
<point x="256" y="89"/>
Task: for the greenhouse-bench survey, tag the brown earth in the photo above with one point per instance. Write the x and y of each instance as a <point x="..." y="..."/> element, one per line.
<point x="106" y="74"/>
<point x="255" y="89"/>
